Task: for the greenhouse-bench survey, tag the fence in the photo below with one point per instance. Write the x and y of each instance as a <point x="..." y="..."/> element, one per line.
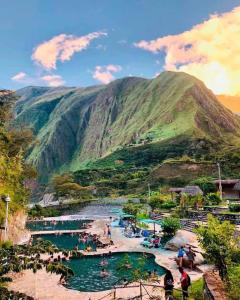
<point x="141" y="291"/>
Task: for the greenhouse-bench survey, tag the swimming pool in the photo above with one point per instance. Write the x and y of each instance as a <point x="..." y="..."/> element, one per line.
<point x="66" y="241"/>
<point x="58" y="225"/>
<point x="87" y="270"/>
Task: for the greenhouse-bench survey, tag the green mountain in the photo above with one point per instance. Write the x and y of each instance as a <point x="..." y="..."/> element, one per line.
<point x="131" y="121"/>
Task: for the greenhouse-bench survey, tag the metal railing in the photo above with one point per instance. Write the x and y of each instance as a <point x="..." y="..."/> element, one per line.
<point x="143" y="292"/>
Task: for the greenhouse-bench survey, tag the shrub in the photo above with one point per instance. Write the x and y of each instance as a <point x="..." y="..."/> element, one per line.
<point x="155" y="202"/>
<point x="38" y="211"/>
<point x="233" y="285"/>
<point x="213" y="198"/>
<point x="170" y="225"/>
<point x="157" y="199"/>
<point x="168" y="205"/>
<point x="132" y="208"/>
<point x="143" y="215"/>
<point x="234" y="207"/>
<point x="6" y="244"/>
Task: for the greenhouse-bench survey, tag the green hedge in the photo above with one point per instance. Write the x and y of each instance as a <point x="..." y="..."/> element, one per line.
<point x="234" y="207"/>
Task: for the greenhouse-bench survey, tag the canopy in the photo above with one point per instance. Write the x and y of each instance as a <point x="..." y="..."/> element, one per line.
<point x="116" y="210"/>
<point x="123" y="215"/>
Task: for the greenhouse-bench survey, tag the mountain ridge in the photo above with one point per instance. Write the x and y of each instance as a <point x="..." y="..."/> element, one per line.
<point x="75" y="126"/>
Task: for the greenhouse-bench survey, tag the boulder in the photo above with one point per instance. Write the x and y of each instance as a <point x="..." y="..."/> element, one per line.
<point x="182" y="238"/>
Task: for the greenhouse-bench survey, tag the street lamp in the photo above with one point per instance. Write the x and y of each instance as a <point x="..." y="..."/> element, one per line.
<point x="7" y="200"/>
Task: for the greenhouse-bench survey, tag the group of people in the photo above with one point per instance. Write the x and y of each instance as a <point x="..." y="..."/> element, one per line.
<point x="89" y="241"/>
<point x="185" y="282"/>
<point x="104" y="264"/>
<point x="189" y="254"/>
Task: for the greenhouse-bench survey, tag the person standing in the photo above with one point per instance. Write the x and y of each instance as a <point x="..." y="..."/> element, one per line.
<point x="168" y="284"/>
<point x="109" y="231"/>
<point x="181" y="253"/>
<point x="185" y="282"/>
<point x="191" y="256"/>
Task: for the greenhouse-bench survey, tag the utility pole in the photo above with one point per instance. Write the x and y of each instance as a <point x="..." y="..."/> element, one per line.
<point x="220" y="180"/>
<point x="149" y="192"/>
<point x="7" y="200"/>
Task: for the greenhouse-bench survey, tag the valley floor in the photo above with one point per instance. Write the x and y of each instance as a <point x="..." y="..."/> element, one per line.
<point x="44" y="286"/>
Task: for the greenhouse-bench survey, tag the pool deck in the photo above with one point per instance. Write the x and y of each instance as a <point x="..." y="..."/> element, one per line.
<point x="44" y="286"/>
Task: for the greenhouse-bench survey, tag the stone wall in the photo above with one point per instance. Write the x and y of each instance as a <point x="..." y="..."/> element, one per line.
<point x="213" y="287"/>
<point x="17" y="232"/>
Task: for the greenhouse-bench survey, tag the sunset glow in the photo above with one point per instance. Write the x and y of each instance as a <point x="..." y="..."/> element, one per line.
<point x="209" y="51"/>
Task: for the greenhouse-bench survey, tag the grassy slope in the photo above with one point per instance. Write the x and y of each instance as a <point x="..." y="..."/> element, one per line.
<point x="76" y="127"/>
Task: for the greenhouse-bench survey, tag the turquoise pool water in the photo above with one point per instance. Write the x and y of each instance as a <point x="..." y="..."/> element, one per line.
<point x="66" y="241"/>
<point x="59" y="225"/>
<point x="87" y="270"/>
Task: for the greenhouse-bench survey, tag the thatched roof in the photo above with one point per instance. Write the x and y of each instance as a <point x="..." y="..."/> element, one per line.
<point x="192" y="190"/>
<point x="237" y="186"/>
<point x="176" y="190"/>
<point x="227" y="181"/>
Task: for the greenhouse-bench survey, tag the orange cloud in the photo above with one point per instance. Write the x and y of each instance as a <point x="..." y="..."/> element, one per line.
<point x="104" y="73"/>
<point x="209" y="51"/>
<point x="62" y="47"/>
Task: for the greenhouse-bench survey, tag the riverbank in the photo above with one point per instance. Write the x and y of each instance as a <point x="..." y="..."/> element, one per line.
<point x="44" y="286"/>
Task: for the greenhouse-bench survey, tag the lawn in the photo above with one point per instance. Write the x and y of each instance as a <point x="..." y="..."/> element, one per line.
<point x="195" y="291"/>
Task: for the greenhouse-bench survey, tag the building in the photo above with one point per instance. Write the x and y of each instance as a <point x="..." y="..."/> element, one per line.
<point x="191" y="190"/>
<point x="230" y="188"/>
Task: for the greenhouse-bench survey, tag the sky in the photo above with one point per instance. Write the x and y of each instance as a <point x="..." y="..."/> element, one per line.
<point x="82" y="43"/>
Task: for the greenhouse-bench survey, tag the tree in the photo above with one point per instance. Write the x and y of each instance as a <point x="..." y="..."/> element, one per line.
<point x="206" y="184"/>
<point x="64" y="185"/>
<point x="219" y="242"/>
<point x="22" y="257"/>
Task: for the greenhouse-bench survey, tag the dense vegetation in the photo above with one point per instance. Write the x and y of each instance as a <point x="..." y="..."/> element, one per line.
<point x="221" y="246"/>
<point x="38" y="211"/>
<point x="13" y="170"/>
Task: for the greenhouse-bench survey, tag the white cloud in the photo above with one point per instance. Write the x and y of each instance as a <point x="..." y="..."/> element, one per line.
<point x="53" y="80"/>
<point x="209" y="51"/>
<point x="61" y="48"/>
<point x="104" y="74"/>
<point x="19" y="77"/>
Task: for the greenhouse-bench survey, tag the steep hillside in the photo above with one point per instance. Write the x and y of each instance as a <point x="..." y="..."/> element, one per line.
<point x="76" y="126"/>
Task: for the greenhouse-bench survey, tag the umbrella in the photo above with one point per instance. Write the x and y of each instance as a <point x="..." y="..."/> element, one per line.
<point x="150" y="221"/>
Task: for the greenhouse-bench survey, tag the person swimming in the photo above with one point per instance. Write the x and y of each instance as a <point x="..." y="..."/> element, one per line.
<point x="104" y="262"/>
<point x="104" y="273"/>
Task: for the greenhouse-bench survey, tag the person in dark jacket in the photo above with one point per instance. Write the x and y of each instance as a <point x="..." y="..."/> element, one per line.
<point x="168" y="284"/>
